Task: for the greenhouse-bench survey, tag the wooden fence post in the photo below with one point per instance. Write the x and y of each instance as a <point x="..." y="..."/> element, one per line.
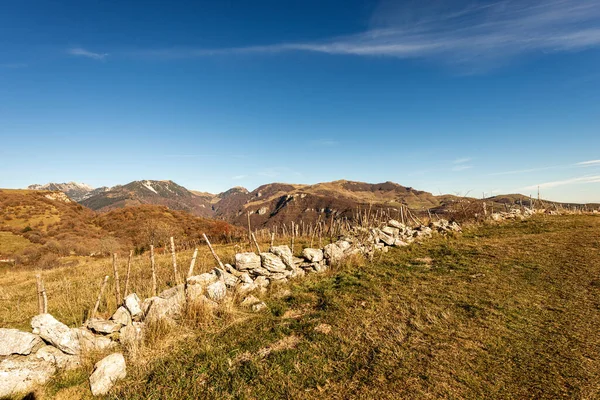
<point x="191" y="270"/>
<point x="128" y="274"/>
<point x="213" y="252"/>
<point x="174" y="259"/>
<point x="99" y="299"/>
<point x="255" y="242"/>
<point x="117" y="284"/>
<point x="40" y="290"/>
<point x="153" y="266"/>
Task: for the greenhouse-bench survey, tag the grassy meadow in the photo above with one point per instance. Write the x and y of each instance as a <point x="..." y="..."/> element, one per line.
<point x="500" y="311"/>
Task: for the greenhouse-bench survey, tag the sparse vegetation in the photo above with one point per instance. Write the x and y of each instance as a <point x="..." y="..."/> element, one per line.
<point x="501" y="311"/>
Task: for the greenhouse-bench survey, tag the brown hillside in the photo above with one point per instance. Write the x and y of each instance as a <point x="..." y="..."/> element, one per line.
<point x="165" y="193"/>
<point x="38" y="226"/>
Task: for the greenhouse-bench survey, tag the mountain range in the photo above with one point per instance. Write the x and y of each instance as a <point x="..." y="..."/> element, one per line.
<point x="266" y="205"/>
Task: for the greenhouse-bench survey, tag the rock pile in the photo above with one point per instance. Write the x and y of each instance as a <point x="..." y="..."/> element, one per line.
<point x="29" y="359"/>
<point x="512" y="214"/>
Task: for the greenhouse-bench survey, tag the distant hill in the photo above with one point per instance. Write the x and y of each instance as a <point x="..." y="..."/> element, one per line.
<point x="166" y="193"/>
<point x="281" y="203"/>
<point x="37" y="225"/>
<point x="277" y="203"/>
<point x="75" y="191"/>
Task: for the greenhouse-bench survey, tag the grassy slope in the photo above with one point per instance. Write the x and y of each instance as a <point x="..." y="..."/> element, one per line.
<point x="507" y="311"/>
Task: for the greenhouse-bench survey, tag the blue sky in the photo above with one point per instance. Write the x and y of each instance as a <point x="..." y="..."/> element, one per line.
<point x="472" y="98"/>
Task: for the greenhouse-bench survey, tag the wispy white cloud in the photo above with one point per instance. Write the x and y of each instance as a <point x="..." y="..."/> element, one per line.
<point x="527" y="170"/>
<point x="238" y="177"/>
<point x="589" y="163"/>
<point x="461" y="160"/>
<point x="577" y="180"/>
<point x="78" y="51"/>
<point x="474" y="34"/>
<point x="461" y="167"/>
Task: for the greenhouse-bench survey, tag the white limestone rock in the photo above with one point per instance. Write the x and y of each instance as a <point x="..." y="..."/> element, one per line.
<point x="56" y="333"/>
<point x="244" y="288"/>
<point x="261" y="282"/>
<point x="333" y="253"/>
<point x="389" y="230"/>
<point x="167" y="309"/>
<point x="132" y="303"/>
<point x="272" y="263"/>
<point x="216" y="291"/>
<point x="122" y="316"/>
<point x="103" y="326"/>
<point x="313" y="255"/>
<point x="285" y="254"/>
<point x="59" y="359"/>
<point x="173" y="292"/>
<point x="14" y="341"/>
<point x="22" y="375"/>
<point x="106" y="373"/>
<point x="204" y="279"/>
<point x="90" y="342"/>
<point x="247" y="261"/>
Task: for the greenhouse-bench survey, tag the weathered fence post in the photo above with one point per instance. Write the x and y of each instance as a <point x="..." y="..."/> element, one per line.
<point x="40" y="291"/>
<point x="117" y="285"/>
<point x="174" y="259"/>
<point x="153" y="266"/>
<point x="99" y="299"/>
<point x="191" y="270"/>
<point x="126" y="292"/>
<point x="255" y="243"/>
<point x="213" y="252"/>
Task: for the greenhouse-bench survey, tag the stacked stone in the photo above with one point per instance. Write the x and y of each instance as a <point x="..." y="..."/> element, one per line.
<point x="29" y="359"/>
<point x="513" y="214"/>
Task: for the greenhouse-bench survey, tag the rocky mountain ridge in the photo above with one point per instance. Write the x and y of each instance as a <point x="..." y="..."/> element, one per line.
<point x="76" y="191"/>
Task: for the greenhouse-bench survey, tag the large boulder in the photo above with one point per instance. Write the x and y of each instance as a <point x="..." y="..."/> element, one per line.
<point x="313" y="255"/>
<point x="272" y="263"/>
<point x="106" y="372"/>
<point x="247" y="261"/>
<point x="14" y="341"/>
<point x="132" y="303"/>
<point x="56" y="333"/>
<point x="285" y="254"/>
<point x="22" y="375"/>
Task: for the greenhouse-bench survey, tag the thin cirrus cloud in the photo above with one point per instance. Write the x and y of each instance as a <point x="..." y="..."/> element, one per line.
<point x="473" y="34"/>
<point x="577" y="180"/>
<point x="589" y="163"/>
<point x="460" y="164"/>
<point x="78" y="51"/>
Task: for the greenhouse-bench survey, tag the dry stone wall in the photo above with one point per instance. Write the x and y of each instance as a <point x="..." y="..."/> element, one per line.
<point x="30" y="359"/>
